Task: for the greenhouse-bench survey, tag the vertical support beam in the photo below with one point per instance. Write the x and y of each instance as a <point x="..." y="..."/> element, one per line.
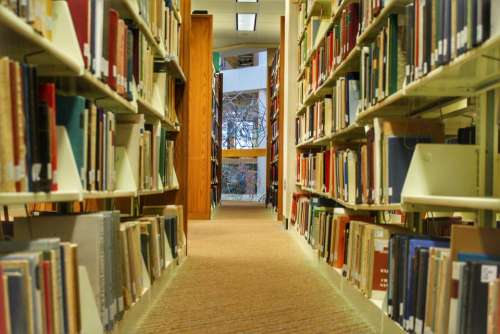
<point x="281" y="117"/>
<point x="200" y="117"/>
<point x="290" y="104"/>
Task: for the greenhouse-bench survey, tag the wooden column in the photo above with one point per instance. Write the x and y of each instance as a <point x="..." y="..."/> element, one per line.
<point x="200" y="104"/>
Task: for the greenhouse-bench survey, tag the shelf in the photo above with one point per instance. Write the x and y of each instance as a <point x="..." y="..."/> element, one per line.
<point x="59" y="57"/>
<point x="302" y="35"/>
<point x="337" y="12"/>
<point x="371" y="308"/>
<point x="133" y="317"/>
<point x="372" y="30"/>
<point x="301" y="73"/>
<point x="318" y="7"/>
<point x="433" y="175"/>
<point x="305" y="144"/>
<point x="28" y="198"/>
<point x="453" y="202"/>
<point x="352" y="206"/>
<point x="130" y="9"/>
<point x="171" y="66"/>
<point x="481" y="67"/>
<point x="92" y="88"/>
<point x="147" y="108"/>
<point x="108" y="194"/>
<point x="353" y="131"/>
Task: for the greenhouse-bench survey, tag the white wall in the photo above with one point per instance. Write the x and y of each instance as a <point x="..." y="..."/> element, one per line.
<point x="247" y="78"/>
<point x="290" y="102"/>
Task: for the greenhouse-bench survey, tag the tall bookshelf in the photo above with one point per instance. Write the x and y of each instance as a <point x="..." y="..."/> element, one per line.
<point x="150" y="96"/>
<point x="216" y="157"/>
<point x="369" y="75"/>
<point x="275" y="123"/>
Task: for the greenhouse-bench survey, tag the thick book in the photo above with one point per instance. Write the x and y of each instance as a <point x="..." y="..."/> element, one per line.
<point x="7" y="177"/>
<point x="80" y="13"/>
<point x="47" y="125"/>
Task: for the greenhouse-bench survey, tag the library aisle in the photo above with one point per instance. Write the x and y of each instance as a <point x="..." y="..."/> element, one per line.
<point x="220" y="286"/>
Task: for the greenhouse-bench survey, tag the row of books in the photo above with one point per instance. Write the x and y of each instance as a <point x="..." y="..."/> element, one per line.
<point x="410" y="272"/>
<point x="29" y="149"/>
<point x="163" y="23"/>
<point x="112" y="251"/>
<point x="333" y="112"/>
<point x="383" y="62"/>
<point x="440" y="31"/>
<point x="115" y="50"/>
<point x="39" y="289"/>
<point x="335" y="46"/>
<point x="150" y="151"/>
<point x="37" y="13"/>
<point x="374" y="172"/>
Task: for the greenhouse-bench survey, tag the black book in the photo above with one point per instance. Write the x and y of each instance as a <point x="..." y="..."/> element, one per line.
<point x="402" y="279"/>
<point x="411" y="307"/>
<point x="464" y="286"/>
<point x="391" y="276"/>
<point x="427" y="33"/>
<point x="410" y="39"/>
<point x="481" y="273"/>
<point x="29" y="121"/>
<point x="447" y="31"/>
<point x="423" y="262"/>
<point x="36" y="159"/>
<point x="43" y="178"/>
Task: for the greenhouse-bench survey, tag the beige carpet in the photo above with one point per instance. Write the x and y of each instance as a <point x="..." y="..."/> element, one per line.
<point x="248" y="276"/>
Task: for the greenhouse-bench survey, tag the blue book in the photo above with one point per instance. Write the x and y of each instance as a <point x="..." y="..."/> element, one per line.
<point x="70" y="114"/>
<point x="413" y="245"/>
<point x="399" y="154"/>
<point x="476" y="257"/>
<point x="17" y="303"/>
<point x="35" y="293"/>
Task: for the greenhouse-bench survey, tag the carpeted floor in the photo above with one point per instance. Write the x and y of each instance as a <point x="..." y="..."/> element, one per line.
<point x="248" y="276"/>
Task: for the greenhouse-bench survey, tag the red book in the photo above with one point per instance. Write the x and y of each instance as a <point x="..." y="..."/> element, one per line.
<point x="124" y="56"/>
<point x="47" y="296"/>
<point x="112" y="54"/>
<point x="80" y="13"/>
<point x="417" y="29"/>
<point x="331" y="49"/>
<point x="340" y="246"/>
<point x="353" y="13"/>
<point x="47" y="93"/>
<point x="327" y="171"/>
<point x="4" y="322"/>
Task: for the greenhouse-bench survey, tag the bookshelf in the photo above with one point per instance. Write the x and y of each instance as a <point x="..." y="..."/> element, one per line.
<point x="449" y="94"/>
<point x="151" y="97"/>
<point x="216" y="143"/>
<point x="275" y="125"/>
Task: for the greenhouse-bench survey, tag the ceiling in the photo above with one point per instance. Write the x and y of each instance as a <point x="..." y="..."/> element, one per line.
<point x="224" y="13"/>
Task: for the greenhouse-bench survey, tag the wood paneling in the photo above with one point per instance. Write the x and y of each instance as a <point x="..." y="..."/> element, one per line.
<point x="200" y="104"/>
<point x="245" y="153"/>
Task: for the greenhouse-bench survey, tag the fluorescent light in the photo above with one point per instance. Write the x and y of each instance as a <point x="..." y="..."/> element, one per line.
<point x="247" y="0"/>
<point x="246" y="21"/>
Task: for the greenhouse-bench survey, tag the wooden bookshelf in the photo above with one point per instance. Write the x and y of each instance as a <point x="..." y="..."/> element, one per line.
<point x="200" y="117"/>
<point x="216" y="143"/>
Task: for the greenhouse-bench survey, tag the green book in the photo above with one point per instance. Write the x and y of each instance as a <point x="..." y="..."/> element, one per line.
<point x="393" y="53"/>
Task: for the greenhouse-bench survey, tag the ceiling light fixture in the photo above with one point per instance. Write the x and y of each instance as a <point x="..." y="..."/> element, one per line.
<point x="252" y="1"/>
<point x="246" y="21"/>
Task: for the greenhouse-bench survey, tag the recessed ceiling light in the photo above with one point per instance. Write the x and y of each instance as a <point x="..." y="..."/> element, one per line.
<point x="247" y="0"/>
<point x="246" y="21"/>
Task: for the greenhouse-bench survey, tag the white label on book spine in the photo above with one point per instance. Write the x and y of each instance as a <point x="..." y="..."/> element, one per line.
<point x="11" y="174"/>
<point x="488" y="273"/>
<point x="440" y="48"/>
<point x="36" y="169"/>
<point x="411" y="322"/>
<point x="18" y="172"/>
<point x="401" y="308"/>
<point x="92" y="176"/>
<point x="445" y="49"/>
<point x="86" y="50"/>
<point x="418" y="326"/>
<point x="479" y="34"/>
<point x="427" y="330"/>
<point x="379" y="245"/>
